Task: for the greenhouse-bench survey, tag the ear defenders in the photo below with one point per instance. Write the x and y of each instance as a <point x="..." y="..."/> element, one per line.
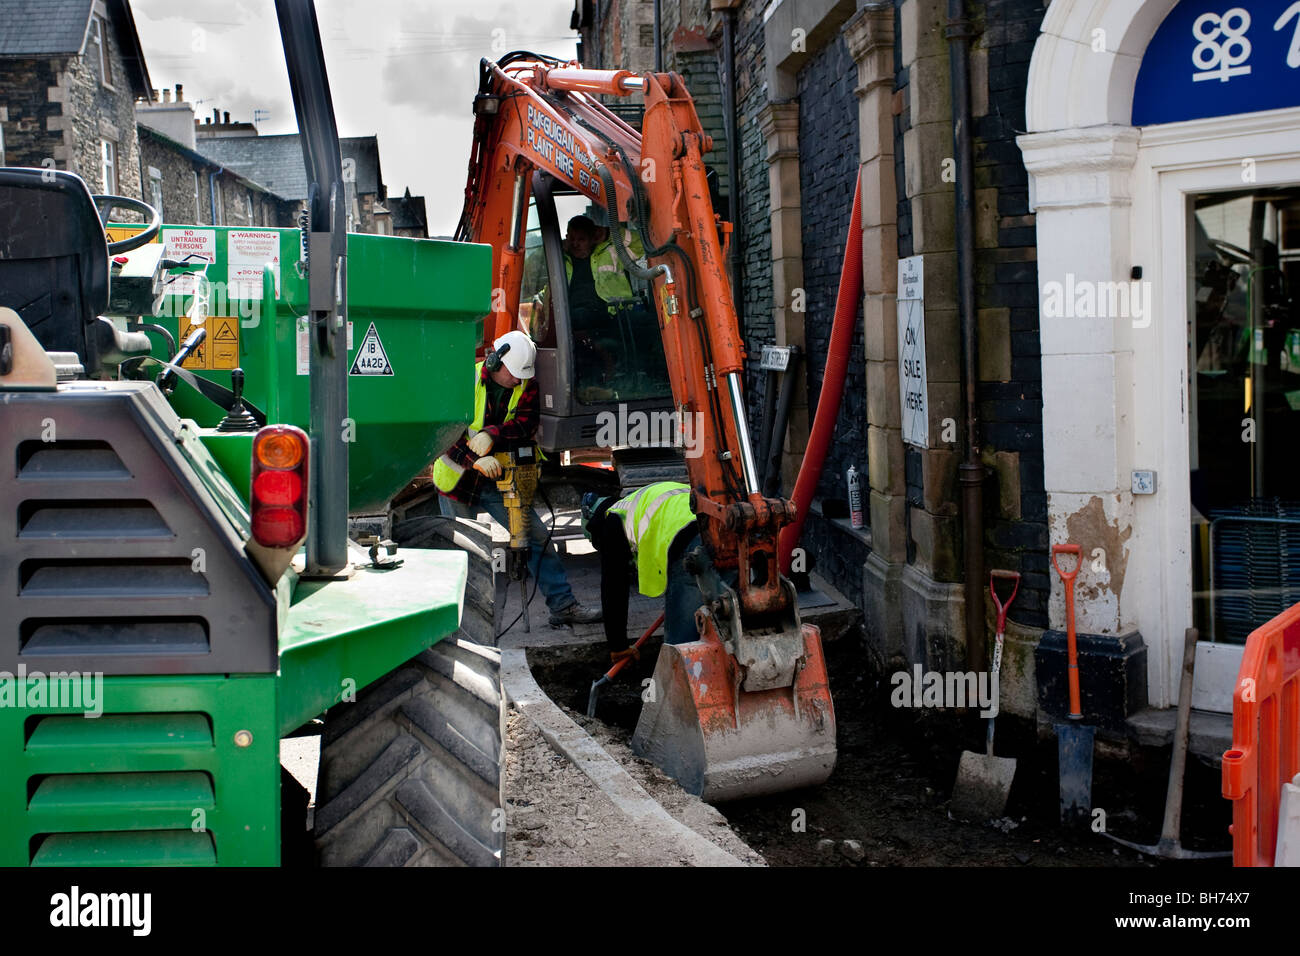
<point x="493" y="360"/>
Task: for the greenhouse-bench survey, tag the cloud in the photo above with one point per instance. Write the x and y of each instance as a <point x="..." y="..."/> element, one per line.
<point x="404" y="70"/>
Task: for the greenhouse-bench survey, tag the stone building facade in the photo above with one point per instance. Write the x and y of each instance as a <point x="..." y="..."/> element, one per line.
<point x="1097" y="159"/>
<point x="195" y="189"/>
<point x="827" y="91"/>
<point x="69" y="80"/>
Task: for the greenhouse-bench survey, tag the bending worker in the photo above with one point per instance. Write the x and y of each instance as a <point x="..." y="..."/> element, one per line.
<point x="505" y="416"/>
<point x="655" y="527"/>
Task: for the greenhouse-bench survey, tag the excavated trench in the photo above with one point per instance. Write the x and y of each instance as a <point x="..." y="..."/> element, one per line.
<point x="886" y="804"/>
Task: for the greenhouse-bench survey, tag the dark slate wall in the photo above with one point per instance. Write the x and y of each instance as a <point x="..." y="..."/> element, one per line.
<point x="828" y="165"/>
<point x="1012" y="412"/>
<point x="755" y="225"/>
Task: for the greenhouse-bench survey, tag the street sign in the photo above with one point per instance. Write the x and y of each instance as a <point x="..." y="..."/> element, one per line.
<point x="911" y="352"/>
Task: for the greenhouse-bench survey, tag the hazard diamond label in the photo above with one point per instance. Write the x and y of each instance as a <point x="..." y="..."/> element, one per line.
<point x="371" y="358"/>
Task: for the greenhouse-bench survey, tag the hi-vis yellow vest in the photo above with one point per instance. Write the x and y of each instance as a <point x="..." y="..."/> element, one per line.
<point x="607" y="272"/>
<point x="446" y="472"/>
<point x="651" y="517"/>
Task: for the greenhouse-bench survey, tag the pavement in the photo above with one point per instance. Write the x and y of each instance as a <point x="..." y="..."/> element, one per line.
<point x="646" y="820"/>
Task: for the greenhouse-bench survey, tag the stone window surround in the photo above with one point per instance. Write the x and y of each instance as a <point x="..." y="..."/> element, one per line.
<point x="1099" y="188"/>
<point x="97" y="35"/>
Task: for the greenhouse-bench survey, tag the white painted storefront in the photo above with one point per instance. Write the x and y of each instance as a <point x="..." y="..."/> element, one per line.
<point x="1109" y="197"/>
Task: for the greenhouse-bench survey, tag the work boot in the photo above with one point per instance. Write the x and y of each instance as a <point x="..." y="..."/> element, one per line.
<point x="575" y="613"/>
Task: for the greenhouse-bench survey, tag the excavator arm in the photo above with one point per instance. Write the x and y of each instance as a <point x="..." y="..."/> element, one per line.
<point x="533" y="113"/>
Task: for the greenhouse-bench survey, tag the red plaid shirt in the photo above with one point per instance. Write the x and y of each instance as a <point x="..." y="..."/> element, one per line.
<point x="505" y="434"/>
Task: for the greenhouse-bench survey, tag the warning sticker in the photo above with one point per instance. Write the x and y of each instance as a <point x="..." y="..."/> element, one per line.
<point x="117" y="232"/>
<point x="190" y="245"/>
<point x="198" y="359"/>
<point x="248" y="252"/>
<point x="371" y="358"/>
<point x="223" y="346"/>
<point x="219" y="351"/>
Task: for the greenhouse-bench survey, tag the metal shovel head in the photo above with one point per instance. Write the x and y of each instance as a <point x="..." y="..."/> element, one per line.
<point x="1074" y="753"/>
<point x="983" y="784"/>
<point x="724" y="743"/>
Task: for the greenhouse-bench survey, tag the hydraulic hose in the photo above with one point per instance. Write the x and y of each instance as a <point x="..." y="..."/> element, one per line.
<point x="837" y="361"/>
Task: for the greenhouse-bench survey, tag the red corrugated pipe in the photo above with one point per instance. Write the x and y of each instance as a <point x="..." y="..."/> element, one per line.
<point x="837" y="361"/>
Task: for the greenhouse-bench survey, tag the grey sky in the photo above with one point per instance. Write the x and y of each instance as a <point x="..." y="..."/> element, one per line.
<point x="404" y="70"/>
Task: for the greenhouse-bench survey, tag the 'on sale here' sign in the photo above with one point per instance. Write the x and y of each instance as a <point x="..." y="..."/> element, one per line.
<point x="911" y="351"/>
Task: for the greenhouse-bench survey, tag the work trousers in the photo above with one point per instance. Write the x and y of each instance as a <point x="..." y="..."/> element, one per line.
<point x="681" y="598"/>
<point x="543" y="565"/>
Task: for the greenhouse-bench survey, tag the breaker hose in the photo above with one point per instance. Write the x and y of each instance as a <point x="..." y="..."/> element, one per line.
<point x="832" y="391"/>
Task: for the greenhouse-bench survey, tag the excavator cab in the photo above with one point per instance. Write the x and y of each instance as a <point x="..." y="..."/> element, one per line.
<point x="589" y="361"/>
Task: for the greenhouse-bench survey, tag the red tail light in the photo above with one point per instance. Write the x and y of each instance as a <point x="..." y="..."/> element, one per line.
<point x="279" y="486"/>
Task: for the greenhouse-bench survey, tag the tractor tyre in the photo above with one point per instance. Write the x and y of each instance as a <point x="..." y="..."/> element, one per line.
<point x="412" y="772"/>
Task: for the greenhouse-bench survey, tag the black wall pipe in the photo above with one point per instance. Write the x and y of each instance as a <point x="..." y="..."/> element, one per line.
<point x="971" y="470"/>
<point x="733" y="161"/>
<point x="659" y="41"/>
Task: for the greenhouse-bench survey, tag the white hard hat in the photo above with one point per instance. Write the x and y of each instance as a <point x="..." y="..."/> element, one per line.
<point x="520" y="358"/>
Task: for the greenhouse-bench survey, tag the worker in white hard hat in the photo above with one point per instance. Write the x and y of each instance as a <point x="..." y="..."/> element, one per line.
<point x="506" y="415"/>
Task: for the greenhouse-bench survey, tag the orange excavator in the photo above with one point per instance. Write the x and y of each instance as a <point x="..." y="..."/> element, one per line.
<point x="745" y="709"/>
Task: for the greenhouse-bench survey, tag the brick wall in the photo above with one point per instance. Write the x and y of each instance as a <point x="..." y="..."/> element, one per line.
<point x="60" y="110"/>
<point x="179" y="204"/>
<point x="828" y="165"/>
<point x="95" y="113"/>
<point x="1011" y="411"/>
<point x="24" y="92"/>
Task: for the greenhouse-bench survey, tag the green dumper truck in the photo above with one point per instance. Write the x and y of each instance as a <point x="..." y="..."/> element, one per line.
<point x="161" y="626"/>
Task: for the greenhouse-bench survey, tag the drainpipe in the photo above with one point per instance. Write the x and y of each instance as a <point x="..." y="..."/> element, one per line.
<point x="971" y="470"/>
<point x="733" y="160"/>
<point x="659" y="42"/>
<point x="212" y="194"/>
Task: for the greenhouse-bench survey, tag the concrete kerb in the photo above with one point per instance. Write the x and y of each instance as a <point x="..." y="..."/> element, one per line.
<point x="567" y="738"/>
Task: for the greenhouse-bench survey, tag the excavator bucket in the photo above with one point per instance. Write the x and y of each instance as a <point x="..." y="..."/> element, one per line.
<point x="723" y="742"/>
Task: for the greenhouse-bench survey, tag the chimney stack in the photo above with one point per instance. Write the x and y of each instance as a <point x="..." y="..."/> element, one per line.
<point x="227" y="118"/>
<point x="216" y="115"/>
<point x="180" y="94"/>
<point x="166" y="96"/>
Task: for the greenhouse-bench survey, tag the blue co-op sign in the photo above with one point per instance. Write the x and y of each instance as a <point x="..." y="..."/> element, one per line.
<point x="1218" y="57"/>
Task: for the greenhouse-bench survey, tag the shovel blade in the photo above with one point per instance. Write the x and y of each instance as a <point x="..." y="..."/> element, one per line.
<point x="983" y="784"/>
<point x="1074" y="753"/>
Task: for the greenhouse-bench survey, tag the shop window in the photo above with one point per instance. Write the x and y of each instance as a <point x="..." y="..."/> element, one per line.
<point x="1244" y="408"/>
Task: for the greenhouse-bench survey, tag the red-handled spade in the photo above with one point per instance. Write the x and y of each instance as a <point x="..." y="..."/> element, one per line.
<point x="1073" y="739"/>
<point x="983" y="780"/>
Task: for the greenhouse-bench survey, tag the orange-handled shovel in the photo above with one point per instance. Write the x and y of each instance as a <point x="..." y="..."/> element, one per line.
<point x="1073" y="740"/>
<point x="613" y="672"/>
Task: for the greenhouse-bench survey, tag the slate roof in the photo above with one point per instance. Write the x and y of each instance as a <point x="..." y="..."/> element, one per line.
<point x="58" y="28"/>
<point x="408" y="212"/>
<point x="276" y="161"/>
<point x="43" y="27"/>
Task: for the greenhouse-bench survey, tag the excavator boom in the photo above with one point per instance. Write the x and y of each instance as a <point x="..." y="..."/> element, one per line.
<point x="746" y="709"/>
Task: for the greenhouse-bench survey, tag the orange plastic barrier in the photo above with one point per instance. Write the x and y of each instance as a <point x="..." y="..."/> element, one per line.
<point x="1265" y="750"/>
